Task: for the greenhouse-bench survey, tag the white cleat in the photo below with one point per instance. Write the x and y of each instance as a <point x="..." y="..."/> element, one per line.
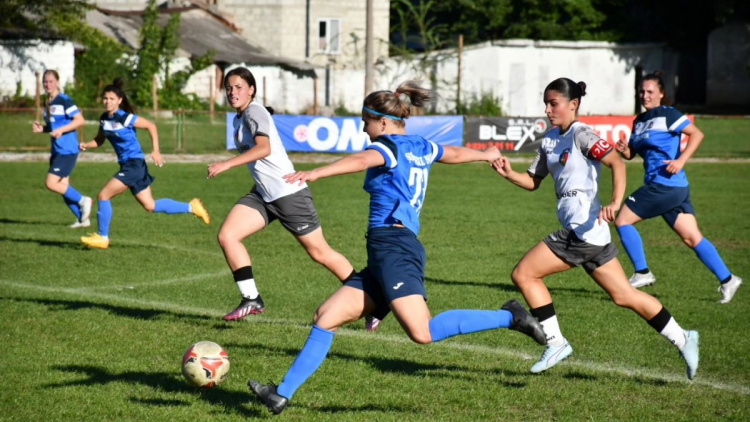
<point x="85" y="204"/>
<point x="80" y="224"/>
<point x="729" y="288"/>
<point x="690" y="353"/>
<point x="552" y="356"/>
<point x="642" y="280"/>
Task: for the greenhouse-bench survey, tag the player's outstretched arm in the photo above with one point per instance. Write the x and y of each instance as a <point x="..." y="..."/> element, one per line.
<point x="459" y="155"/>
<point x="523" y="180"/>
<point x="354" y="163"/>
<point x="142" y="123"/>
<point x="695" y="137"/>
<point x="261" y="150"/>
<point x="96" y="143"/>
<point x="78" y="121"/>
<point x="609" y="211"/>
<point x="623" y="148"/>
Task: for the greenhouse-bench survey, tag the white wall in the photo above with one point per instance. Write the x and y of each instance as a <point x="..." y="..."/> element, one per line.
<point x="21" y="60"/>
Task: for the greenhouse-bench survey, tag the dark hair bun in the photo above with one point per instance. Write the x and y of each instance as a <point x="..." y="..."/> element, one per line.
<point x="582" y="85"/>
<point x="270" y="110"/>
<point x="118" y="82"/>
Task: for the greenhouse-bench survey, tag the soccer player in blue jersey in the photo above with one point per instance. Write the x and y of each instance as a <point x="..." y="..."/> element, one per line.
<point x="398" y="167"/>
<point x="665" y="192"/>
<point x="572" y="154"/>
<point x="61" y="119"/>
<point x="118" y="124"/>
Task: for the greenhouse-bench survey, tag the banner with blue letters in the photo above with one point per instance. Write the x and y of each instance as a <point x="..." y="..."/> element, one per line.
<point x="345" y="134"/>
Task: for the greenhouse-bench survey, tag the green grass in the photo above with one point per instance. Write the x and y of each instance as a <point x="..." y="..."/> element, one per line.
<point x="98" y="335"/>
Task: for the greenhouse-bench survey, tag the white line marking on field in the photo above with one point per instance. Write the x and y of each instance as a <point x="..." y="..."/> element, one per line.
<point x="389" y="338"/>
<point x="43" y="237"/>
<point x="178" y="280"/>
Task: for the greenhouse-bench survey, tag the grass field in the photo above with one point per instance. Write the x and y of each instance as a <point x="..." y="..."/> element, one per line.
<point x="99" y="335"/>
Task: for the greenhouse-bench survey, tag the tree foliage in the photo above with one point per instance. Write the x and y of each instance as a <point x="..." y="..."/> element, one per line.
<point x="39" y="15"/>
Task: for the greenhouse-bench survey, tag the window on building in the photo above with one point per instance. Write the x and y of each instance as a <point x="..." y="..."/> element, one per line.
<point x="329" y="36"/>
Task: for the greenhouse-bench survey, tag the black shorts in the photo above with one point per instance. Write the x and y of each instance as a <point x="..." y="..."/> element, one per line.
<point x="567" y="246"/>
<point x="62" y="165"/>
<point x="667" y="201"/>
<point x="296" y="212"/>
<point x="134" y="174"/>
<point x="395" y="268"/>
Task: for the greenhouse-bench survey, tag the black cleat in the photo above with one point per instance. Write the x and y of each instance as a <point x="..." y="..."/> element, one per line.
<point x="267" y="394"/>
<point x="524" y="322"/>
<point x="245" y="308"/>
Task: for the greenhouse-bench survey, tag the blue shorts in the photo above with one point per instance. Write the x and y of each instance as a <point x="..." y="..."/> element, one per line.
<point x="395" y="268"/>
<point x="62" y="165"/>
<point x="667" y="201"/>
<point x="134" y="174"/>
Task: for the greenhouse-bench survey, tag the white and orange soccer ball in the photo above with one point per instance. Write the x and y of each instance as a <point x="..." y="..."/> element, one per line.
<point x="205" y="364"/>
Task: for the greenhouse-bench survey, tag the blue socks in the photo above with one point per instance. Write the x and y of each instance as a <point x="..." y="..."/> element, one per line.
<point x="74" y="207"/>
<point x="308" y="361"/>
<point x="710" y="257"/>
<point x="465" y="321"/>
<point x="170" y="206"/>
<point x="72" y="197"/>
<point x="631" y="241"/>
<point x="104" y="216"/>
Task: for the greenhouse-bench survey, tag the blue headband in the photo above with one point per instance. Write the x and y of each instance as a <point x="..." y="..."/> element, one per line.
<point x="376" y="113"/>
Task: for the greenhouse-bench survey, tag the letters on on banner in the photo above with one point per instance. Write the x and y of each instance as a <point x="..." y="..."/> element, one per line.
<point x="524" y="134"/>
<point x="346" y="134"/>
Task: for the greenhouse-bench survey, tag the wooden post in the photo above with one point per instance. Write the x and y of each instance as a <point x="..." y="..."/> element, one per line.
<point x="369" y="47"/>
<point x="38" y="97"/>
<point x="315" y="95"/>
<point x="212" y="95"/>
<point x="458" y="79"/>
<point x="155" y="96"/>
<point x="264" y="92"/>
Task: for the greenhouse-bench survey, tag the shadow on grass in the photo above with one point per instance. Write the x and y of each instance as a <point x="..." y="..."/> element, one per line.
<point x="506" y="287"/>
<point x="24" y="222"/>
<point x="399" y="366"/>
<point x="141" y="314"/>
<point x="161" y="381"/>
<point x="635" y="378"/>
<point x="55" y="243"/>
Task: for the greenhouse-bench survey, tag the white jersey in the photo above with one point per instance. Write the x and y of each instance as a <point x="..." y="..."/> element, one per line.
<point x="573" y="158"/>
<point x="268" y="171"/>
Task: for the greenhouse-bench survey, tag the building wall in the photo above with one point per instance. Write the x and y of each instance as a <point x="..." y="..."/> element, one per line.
<point x="728" y="82"/>
<point x="21" y="60"/>
<point x="280" y="27"/>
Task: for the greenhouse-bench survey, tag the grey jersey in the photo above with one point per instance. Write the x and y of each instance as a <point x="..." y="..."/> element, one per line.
<point x="573" y="160"/>
<point x="268" y="171"/>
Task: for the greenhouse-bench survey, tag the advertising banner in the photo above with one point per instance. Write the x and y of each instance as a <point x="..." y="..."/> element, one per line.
<point x="345" y="134"/>
<point x="524" y="134"/>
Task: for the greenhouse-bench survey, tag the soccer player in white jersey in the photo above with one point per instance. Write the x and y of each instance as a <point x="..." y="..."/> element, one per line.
<point x="61" y="119"/>
<point x="271" y="198"/>
<point x="572" y="153"/>
<point x="665" y="192"/>
<point x="398" y="167"/>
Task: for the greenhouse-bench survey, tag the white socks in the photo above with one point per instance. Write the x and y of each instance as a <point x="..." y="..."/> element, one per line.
<point x="552" y="331"/>
<point x="248" y="289"/>
<point x="674" y="333"/>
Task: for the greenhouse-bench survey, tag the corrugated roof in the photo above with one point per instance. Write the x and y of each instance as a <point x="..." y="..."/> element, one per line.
<point x="200" y="32"/>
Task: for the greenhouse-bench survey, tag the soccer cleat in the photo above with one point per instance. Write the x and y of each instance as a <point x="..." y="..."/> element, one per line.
<point x="95" y="240"/>
<point x="245" y="308"/>
<point x="197" y="208"/>
<point x="690" y="353"/>
<point x="79" y="224"/>
<point x="729" y="288"/>
<point x="642" y="280"/>
<point x="552" y="356"/>
<point x="371" y="323"/>
<point x="85" y="205"/>
<point x="268" y="395"/>
<point x="524" y="322"/>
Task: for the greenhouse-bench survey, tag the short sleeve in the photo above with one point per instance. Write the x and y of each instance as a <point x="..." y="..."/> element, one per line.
<point x="591" y="145"/>
<point x="676" y="121"/>
<point x="437" y="151"/>
<point x="257" y="122"/>
<point x="387" y="148"/>
<point x="130" y="120"/>
<point x="538" y="167"/>
<point x="70" y="107"/>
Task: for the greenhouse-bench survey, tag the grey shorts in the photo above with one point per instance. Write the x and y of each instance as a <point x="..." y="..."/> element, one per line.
<point x="567" y="246"/>
<point x="296" y="212"/>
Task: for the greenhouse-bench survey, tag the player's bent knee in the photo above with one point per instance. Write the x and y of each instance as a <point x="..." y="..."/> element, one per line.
<point x="421" y="337"/>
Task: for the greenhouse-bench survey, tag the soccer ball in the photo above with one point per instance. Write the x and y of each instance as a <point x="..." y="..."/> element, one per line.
<point x="205" y="364"/>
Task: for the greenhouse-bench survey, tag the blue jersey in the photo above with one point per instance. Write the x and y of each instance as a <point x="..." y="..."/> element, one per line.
<point x="397" y="189"/>
<point x="59" y="113"/>
<point x="119" y="130"/>
<point x="656" y="137"/>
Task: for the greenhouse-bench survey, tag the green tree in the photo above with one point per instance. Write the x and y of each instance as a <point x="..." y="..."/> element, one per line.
<point x="39" y="15"/>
